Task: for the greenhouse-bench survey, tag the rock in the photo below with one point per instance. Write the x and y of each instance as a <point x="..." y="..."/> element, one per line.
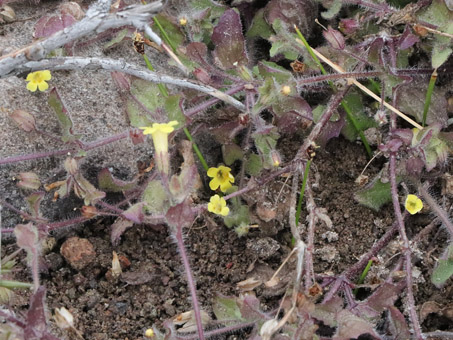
<point x="79" y="252"/>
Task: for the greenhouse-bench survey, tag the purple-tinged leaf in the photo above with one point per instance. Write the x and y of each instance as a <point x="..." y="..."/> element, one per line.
<point x="50" y="24"/>
<point x="384" y="297"/>
<point x="180" y="216"/>
<point x="135" y="213"/>
<point x="331" y="130"/>
<point x="198" y="52"/>
<point x="73" y="9"/>
<point x="293" y="114"/>
<point x="249" y="306"/>
<point x="392" y="145"/>
<point x="27" y="237"/>
<point x="229" y="42"/>
<point x="202" y="75"/>
<point x="414" y="166"/>
<point x="327" y="312"/>
<point x="108" y="182"/>
<point x="121" y="80"/>
<point x="398" y="325"/>
<point x="348" y="26"/>
<point x="57" y="104"/>
<point x="34" y="200"/>
<point x="351" y="326"/>
<point x="85" y="190"/>
<point x="24" y="120"/>
<point x="334" y="38"/>
<point x="118" y="228"/>
<point x="407" y="39"/>
<point x="36" y="316"/>
<point x="404" y="134"/>
<point x="292" y="12"/>
<point x="412" y="101"/>
<point x="28" y="180"/>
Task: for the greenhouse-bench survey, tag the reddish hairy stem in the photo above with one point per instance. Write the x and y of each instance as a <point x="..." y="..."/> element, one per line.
<point x="407" y="250"/>
<point x="190" y="282"/>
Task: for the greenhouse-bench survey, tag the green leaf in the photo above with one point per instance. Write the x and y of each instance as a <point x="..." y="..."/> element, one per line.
<point x="254" y="164"/>
<point x="333" y="10"/>
<point x="142" y="106"/>
<point x="56" y="103"/>
<point x="108" y="182"/>
<point x="238" y="215"/>
<point x="87" y="191"/>
<point x="354" y="102"/>
<point x="436" y="14"/>
<point x="34" y="201"/>
<point x="173" y="109"/>
<point x="259" y="27"/>
<point x="155" y="197"/>
<point x="118" y="38"/>
<point x="171" y="28"/>
<point x="266" y="143"/>
<point x="375" y="195"/>
<point x="444" y="267"/>
<point x="442" y="272"/>
<point x="442" y="47"/>
<point x="232" y="153"/>
<point x="226" y="309"/>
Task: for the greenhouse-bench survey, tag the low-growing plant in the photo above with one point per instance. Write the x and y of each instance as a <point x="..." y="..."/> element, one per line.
<point x="368" y="77"/>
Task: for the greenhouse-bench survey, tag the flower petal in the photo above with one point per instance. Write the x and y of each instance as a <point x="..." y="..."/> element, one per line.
<point x="42" y="86"/>
<point x="46" y="75"/>
<point x="212" y="172"/>
<point x="214" y="184"/>
<point x="32" y="86"/>
<point x="225" y="211"/>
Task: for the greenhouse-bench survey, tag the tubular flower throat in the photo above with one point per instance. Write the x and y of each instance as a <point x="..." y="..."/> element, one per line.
<point x="217" y="205"/>
<point x="413" y="204"/>
<point x="159" y="132"/>
<point x="37" y="80"/>
<point x="221" y="177"/>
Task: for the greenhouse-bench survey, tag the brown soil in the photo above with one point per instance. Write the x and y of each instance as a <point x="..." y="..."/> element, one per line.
<point x="154" y="288"/>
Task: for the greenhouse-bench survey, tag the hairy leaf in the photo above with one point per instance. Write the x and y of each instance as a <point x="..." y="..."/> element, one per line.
<point x="135" y="213"/>
<point x="259" y="27"/>
<point x="231" y="153"/>
<point x="118" y="228"/>
<point x="180" y="216"/>
<point x="292" y="12"/>
<point x="398" y="324"/>
<point x="57" y="104"/>
<point x="375" y="195"/>
<point x="36" y="316"/>
<point x="351" y="326"/>
<point x="226" y="308"/>
<point x="34" y="201"/>
<point x="87" y="191"/>
<point x="333" y="127"/>
<point x="28" y="180"/>
<point x="108" y="182"/>
<point x="155" y="196"/>
<point x="50" y="24"/>
<point x="355" y="104"/>
<point x="24" y="120"/>
<point x="229" y="42"/>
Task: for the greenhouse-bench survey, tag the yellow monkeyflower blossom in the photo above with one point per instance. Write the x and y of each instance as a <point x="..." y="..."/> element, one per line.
<point x="37" y="80"/>
<point x="217" y="205"/>
<point x="222" y="178"/>
<point x="413" y="204"/>
<point x="159" y="132"/>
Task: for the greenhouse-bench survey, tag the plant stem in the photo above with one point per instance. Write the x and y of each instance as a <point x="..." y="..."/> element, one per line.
<point x="190" y="282"/>
<point x="302" y="191"/>
<point x="343" y="103"/>
<point x="437" y="210"/>
<point x="196" y="149"/>
<point x="429" y="92"/>
<point x="407" y="250"/>
<point x="363" y="275"/>
<point x="165" y="35"/>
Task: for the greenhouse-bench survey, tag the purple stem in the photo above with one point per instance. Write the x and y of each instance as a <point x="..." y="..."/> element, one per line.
<point x="190" y="282"/>
<point x="407" y="249"/>
<point x="86" y="147"/>
<point x="223" y="330"/>
<point x="210" y="102"/>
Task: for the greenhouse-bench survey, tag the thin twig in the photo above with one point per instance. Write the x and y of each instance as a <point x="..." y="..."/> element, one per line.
<point x="82" y="63"/>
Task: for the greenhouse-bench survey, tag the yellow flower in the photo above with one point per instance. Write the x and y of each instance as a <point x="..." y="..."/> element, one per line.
<point x="286" y="90"/>
<point x="160" y="132"/>
<point x="217" y="205"/>
<point x="413" y="204"/>
<point x="221" y="178"/>
<point x="38" y="80"/>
